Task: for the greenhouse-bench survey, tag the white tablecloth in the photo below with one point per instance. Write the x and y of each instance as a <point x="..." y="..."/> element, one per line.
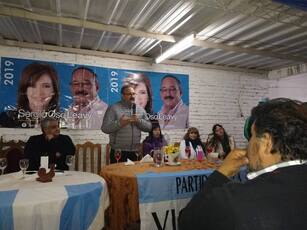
<point x="73" y="200"/>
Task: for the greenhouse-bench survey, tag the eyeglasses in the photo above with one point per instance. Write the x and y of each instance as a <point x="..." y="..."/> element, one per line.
<point x="171" y="90"/>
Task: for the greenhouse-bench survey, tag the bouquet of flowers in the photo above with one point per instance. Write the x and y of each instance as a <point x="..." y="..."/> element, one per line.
<point x="171" y="149"/>
<point x="172" y="153"/>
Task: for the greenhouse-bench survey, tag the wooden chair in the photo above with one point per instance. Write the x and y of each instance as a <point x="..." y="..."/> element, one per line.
<point x="13" y="152"/>
<point x="85" y="155"/>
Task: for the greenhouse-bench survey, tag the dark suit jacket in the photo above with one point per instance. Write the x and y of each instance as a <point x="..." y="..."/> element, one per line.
<point x="38" y="146"/>
<point x="272" y="201"/>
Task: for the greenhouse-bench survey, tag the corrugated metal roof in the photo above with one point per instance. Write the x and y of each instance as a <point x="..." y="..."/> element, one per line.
<point x="254" y="35"/>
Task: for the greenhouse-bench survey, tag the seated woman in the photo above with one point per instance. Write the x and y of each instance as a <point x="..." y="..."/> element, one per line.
<point x="155" y="139"/>
<point x="190" y="144"/>
<point x="220" y="142"/>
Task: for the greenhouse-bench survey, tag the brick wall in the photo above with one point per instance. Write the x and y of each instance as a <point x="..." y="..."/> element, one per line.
<point x="216" y="96"/>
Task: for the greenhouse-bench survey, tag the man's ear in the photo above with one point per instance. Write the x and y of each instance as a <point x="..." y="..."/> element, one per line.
<point x="267" y="143"/>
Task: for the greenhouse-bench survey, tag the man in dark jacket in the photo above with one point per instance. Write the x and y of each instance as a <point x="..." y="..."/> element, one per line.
<point x="274" y="197"/>
<point x="50" y="143"/>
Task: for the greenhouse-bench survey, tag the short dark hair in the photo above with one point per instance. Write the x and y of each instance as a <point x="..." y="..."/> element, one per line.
<point x="122" y="90"/>
<point x="45" y="122"/>
<point x="175" y="78"/>
<point x="84" y="68"/>
<point x="286" y="121"/>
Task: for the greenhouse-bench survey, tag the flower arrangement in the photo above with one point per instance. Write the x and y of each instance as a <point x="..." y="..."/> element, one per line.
<point x="171" y="149"/>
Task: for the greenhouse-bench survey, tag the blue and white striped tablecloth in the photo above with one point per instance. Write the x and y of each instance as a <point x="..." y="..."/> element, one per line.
<point x="73" y="200"/>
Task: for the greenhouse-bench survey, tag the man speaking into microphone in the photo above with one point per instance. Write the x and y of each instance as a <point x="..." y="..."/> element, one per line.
<point x="124" y="121"/>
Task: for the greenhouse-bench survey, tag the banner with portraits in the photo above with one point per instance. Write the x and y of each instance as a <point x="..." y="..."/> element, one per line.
<point x="78" y="95"/>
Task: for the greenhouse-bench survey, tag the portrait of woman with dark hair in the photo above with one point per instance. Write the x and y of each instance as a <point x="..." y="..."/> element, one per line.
<point x="38" y="92"/>
<point x="142" y="88"/>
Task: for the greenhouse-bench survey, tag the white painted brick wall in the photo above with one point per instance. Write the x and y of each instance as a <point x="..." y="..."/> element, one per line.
<point x="293" y="87"/>
<point x="215" y="95"/>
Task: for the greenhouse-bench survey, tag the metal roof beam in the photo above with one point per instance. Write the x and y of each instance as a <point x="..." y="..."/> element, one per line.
<point x="122" y="56"/>
<point x="14" y="12"/>
<point x="207" y="44"/>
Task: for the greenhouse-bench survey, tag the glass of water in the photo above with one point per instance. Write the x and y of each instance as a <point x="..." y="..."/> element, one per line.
<point x="23" y="164"/>
<point x="69" y="161"/>
<point x="3" y="164"/>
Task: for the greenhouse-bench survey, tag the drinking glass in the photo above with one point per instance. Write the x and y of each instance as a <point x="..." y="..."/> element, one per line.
<point x="23" y="164"/>
<point x="137" y="153"/>
<point x="118" y="154"/>
<point x="158" y="157"/>
<point x="3" y="164"/>
<point x="188" y="151"/>
<point x="69" y="161"/>
<point x="167" y="138"/>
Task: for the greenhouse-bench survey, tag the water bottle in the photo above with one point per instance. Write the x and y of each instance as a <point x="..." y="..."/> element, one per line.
<point x="199" y="153"/>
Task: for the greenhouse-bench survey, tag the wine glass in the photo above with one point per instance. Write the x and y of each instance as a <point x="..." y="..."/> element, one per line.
<point x="188" y="151"/>
<point x="118" y="154"/>
<point x="3" y="164"/>
<point x="69" y="160"/>
<point x="167" y="138"/>
<point x="137" y="153"/>
<point x="23" y="164"/>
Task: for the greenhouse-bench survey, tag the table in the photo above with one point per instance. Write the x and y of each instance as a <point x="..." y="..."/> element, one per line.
<point x="73" y="200"/>
<point x="123" y="188"/>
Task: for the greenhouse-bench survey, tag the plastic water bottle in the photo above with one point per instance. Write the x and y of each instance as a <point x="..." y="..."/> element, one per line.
<point x="200" y="154"/>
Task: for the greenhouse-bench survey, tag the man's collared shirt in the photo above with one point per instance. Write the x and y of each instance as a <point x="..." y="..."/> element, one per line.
<point x="271" y="168"/>
<point x="89" y="117"/>
<point x="176" y="118"/>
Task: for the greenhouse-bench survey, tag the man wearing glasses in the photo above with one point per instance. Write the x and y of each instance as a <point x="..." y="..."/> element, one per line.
<point x="174" y="114"/>
<point x="124" y="122"/>
<point x="88" y="109"/>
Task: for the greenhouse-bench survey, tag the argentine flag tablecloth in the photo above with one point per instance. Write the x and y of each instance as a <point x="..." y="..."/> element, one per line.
<point x="163" y="195"/>
<point x="73" y="200"/>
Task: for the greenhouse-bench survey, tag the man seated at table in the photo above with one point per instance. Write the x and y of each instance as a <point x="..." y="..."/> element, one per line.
<point x="275" y="196"/>
<point x="50" y="143"/>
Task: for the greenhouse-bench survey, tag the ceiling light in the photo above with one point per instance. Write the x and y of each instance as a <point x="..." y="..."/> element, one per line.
<point x="183" y="44"/>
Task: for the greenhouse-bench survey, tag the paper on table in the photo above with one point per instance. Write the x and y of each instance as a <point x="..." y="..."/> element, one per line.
<point x="147" y="158"/>
<point x="44" y="162"/>
<point x="129" y="162"/>
<point x="213" y="155"/>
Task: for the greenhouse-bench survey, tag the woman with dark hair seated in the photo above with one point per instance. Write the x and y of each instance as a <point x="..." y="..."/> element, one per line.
<point x="191" y="144"/>
<point x="219" y="141"/>
<point x="155" y="139"/>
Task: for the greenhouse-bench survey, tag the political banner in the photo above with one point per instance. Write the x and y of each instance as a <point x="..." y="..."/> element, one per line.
<point x="79" y="95"/>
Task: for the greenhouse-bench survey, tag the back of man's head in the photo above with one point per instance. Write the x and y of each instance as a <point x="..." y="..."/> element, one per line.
<point x="286" y="122"/>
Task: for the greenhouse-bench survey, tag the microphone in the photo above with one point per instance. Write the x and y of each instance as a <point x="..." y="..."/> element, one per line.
<point x="133" y="108"/>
